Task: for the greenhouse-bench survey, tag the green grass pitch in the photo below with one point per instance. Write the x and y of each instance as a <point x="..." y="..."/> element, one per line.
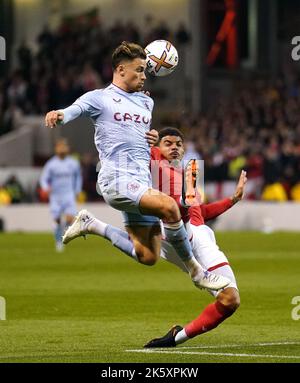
<point x="93" y="304"/>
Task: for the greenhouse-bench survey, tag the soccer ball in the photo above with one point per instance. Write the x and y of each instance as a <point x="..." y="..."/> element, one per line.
<point x="162" y="58"/>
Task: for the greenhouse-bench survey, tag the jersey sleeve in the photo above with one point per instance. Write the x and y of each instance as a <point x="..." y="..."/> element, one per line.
<point x="196" y="215"/>
<point x="88" y="105"/>
<point x="155" y="153"/>
<point x="45" y="178"/>
<point x="214" y="209"/>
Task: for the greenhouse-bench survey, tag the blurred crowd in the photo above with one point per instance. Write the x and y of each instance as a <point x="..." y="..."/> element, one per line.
<point x="256" y="129"/>
<point x="70" y="61"/>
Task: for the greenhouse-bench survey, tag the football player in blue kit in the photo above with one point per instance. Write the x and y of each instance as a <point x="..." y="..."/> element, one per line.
<point x="122" y="114"/>
<point x="61" y="180"/>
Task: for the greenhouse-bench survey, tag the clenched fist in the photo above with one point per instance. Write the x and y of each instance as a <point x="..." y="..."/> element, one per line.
<point x="53" y="117"/>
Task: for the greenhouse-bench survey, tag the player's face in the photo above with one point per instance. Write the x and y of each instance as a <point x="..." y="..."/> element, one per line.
<point x="133" y="74"/>
<point x="171" y="147"/>
<point x="62" y="149"/>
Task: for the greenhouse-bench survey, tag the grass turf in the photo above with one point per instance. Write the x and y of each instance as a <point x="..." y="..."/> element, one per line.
<point x="92" y="303"/>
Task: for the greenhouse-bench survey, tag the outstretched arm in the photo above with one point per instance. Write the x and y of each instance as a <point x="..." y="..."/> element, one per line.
<point x="88" y="105"/>
<point x="214" y="209"/>
<point x="62" y="116"/>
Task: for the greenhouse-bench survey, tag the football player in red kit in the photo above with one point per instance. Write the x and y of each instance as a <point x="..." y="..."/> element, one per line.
<point x="167" y="172"/>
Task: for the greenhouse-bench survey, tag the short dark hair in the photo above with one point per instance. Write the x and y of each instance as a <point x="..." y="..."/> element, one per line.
<point x="127" y="51"/>
<point x="170" y="132"/>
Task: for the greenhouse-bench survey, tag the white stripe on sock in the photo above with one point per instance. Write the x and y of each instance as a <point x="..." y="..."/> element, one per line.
<point x="173" y="225"/>
<point x="181" y="337"/>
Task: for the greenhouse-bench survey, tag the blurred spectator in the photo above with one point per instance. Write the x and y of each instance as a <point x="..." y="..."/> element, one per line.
<point x="4" y="197"/>
<point x="274" y="192"/>
<point x="295" y="192"/>
<point x="272" y="165"/>
<point x="191" y="152"/>
<point x="182" y="35"/>
<point x="45" y="40"/>
<point x="162" y="31"/>
<point x="17" y="90"/>
<point x="25" y="60"/>
<point x="254" y="168"/>
<point x="15" y="190"/>
<point x="89" y="79"/>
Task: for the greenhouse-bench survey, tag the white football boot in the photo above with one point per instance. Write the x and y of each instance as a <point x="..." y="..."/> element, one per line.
<point x="79" y="227"/>
<point x="207" y="280"/>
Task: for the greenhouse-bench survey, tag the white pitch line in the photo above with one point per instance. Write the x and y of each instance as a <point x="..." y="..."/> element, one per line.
<point x="148" y="351"/>
<point x="241" y="345"/>
<point x="276" y="343"/>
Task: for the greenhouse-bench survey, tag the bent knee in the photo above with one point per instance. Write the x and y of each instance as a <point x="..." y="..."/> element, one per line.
<point x="170" y="210"/>
<point x="147" y="257"/>
<point x="148" y="261"/>
<point x="230" y="299"/>
<point x="234" y="304"/>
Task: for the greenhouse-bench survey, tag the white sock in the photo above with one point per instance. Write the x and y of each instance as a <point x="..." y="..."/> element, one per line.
<point x="181" y="337"/>
<point x="193" y="266"/>
<point x="97" y="227"/>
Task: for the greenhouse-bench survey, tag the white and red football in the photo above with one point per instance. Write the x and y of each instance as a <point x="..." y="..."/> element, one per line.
<point x="162" y="57"/>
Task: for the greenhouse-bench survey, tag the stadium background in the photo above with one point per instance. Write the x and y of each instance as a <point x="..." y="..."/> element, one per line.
<point x="237" y="102"/>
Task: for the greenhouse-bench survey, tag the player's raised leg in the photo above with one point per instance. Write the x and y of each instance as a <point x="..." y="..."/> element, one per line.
<point x="161" y="205"/>
<point x="143" y="235"/>
<point x="146" y="241"/>
<point x="141" y="242"/>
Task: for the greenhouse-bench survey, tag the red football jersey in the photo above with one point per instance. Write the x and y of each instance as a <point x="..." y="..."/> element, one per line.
<point x="168" y="178"/>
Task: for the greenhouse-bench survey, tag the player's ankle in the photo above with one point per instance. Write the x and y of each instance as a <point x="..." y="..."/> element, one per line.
<point x="193" y="266"/>
<point x="95" y="226"/>
<point x="181" y="337"/>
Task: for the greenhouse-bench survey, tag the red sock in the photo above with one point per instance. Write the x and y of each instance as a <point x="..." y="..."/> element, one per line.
<point x="211" y="317"/>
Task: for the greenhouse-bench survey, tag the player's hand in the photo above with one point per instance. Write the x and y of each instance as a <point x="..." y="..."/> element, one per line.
<point x="44" y="194"/>
<point x="239" y="191"/>
<point x="191" y="174"/>
<point x="152" y="137"/>
<point x="53" y="117"/>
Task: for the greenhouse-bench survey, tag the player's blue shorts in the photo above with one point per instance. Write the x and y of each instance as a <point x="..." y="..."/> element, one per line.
<point x="124" y="193"/>
<point x="60" y="206"/>
<point x="132" y="219"/>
